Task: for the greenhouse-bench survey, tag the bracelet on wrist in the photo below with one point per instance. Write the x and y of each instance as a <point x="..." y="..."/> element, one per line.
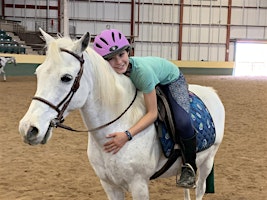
<point x="129" y="135"/>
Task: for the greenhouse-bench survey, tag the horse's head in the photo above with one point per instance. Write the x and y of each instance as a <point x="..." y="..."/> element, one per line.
<point x="10" y="60"/>
<point x="13" y="60"/>
<point x="58" y="88"/>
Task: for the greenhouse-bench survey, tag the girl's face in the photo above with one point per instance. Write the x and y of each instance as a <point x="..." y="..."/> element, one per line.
<point x="120" y="62"/>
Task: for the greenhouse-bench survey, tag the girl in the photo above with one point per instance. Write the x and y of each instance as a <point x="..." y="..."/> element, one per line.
<point x="146" y="73"/>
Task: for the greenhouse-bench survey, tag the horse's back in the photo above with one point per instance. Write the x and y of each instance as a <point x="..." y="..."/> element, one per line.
<point x="215" y="106"/>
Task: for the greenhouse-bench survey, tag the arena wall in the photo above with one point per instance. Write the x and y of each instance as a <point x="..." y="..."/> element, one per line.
<point x="26" y="65"/>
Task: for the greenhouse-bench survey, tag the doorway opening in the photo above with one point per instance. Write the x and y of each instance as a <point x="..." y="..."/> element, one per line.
<point x="251" y="59"/>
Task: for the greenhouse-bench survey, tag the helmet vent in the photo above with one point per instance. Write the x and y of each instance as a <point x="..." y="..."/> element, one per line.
<point x="98" y="45"/>
<point x="103" y="40"/>
<point x="113" y="36"/>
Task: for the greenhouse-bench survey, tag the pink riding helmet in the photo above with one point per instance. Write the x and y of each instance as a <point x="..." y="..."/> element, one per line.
<point x="110" y="42"/>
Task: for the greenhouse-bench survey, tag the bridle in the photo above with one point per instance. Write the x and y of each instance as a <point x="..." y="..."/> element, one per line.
<point x="65" y="102"/>
<point x="58" y="121"/>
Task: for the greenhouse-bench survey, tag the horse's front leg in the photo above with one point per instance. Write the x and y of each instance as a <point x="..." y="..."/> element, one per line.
<point x="113" y="192"/>
<point x="139" y="189"/>
<point x="4" y="76"/>
<point x="3" y="72"/>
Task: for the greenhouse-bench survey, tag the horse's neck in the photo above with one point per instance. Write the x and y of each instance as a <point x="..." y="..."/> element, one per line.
<point x="4" y="60"/>
<point x="12" y="60"/>
<point x="110" y="95"/>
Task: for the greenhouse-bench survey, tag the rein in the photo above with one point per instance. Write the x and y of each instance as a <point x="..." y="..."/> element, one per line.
<point x="58" y="121"/>
<point x="102" y="126"/>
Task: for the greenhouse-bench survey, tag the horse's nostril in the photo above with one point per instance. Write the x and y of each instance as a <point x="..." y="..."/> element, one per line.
<point x="32" y="132"/>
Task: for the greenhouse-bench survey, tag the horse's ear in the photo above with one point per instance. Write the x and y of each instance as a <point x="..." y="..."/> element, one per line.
<point x="83" y="42"/>
<point x="48" y="38"/>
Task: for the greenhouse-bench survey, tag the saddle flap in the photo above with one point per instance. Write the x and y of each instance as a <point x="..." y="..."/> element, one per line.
<point x="164" y="111"/>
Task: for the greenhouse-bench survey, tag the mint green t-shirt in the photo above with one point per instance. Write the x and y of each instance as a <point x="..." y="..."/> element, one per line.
<point x="147" y="72"/>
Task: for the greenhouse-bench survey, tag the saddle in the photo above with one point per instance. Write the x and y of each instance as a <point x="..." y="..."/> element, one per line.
<point x="202" y="123"/>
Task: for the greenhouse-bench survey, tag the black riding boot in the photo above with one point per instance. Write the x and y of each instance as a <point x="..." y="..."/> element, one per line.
<point x="188" y="174"/>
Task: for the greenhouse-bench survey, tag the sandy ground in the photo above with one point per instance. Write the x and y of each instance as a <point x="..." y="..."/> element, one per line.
<point x="60" y="169"/>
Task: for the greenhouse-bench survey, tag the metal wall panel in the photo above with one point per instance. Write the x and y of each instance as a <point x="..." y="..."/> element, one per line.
<point x="155" y="26"/>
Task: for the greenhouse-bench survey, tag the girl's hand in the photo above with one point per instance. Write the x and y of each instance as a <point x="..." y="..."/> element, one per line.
<point x="116" y="142"/>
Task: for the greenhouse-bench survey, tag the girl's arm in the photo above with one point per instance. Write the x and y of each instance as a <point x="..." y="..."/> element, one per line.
<point x="120" y="138"/>
<point x="150" y="116"/>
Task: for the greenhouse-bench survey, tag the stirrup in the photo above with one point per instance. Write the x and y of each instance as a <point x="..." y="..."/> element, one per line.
<point x="185" y="183"/>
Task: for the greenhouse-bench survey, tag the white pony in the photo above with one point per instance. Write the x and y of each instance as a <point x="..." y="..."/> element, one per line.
<point x="3" y="62"/>
<point x="73" y="76"/>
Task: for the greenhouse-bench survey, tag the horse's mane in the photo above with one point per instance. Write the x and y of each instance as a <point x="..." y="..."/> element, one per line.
<point x="115" y="88"/>
<point x="105" y="77"/>
<point x="112" y="86"/>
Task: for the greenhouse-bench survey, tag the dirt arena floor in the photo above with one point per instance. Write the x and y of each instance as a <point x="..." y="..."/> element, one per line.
<point x="60" y="169"/>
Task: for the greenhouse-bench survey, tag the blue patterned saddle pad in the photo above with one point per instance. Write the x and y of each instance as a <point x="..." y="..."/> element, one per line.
<point x="202" y="123"/>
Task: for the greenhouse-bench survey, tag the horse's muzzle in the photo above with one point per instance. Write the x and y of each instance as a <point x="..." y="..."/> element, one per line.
<point x="31" y="136"/>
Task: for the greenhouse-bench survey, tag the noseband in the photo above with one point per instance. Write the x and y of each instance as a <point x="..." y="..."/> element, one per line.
<point x="65" y="102"/>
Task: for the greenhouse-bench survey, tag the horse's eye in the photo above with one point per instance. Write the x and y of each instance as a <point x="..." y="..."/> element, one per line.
<point x="66" y="78"/>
